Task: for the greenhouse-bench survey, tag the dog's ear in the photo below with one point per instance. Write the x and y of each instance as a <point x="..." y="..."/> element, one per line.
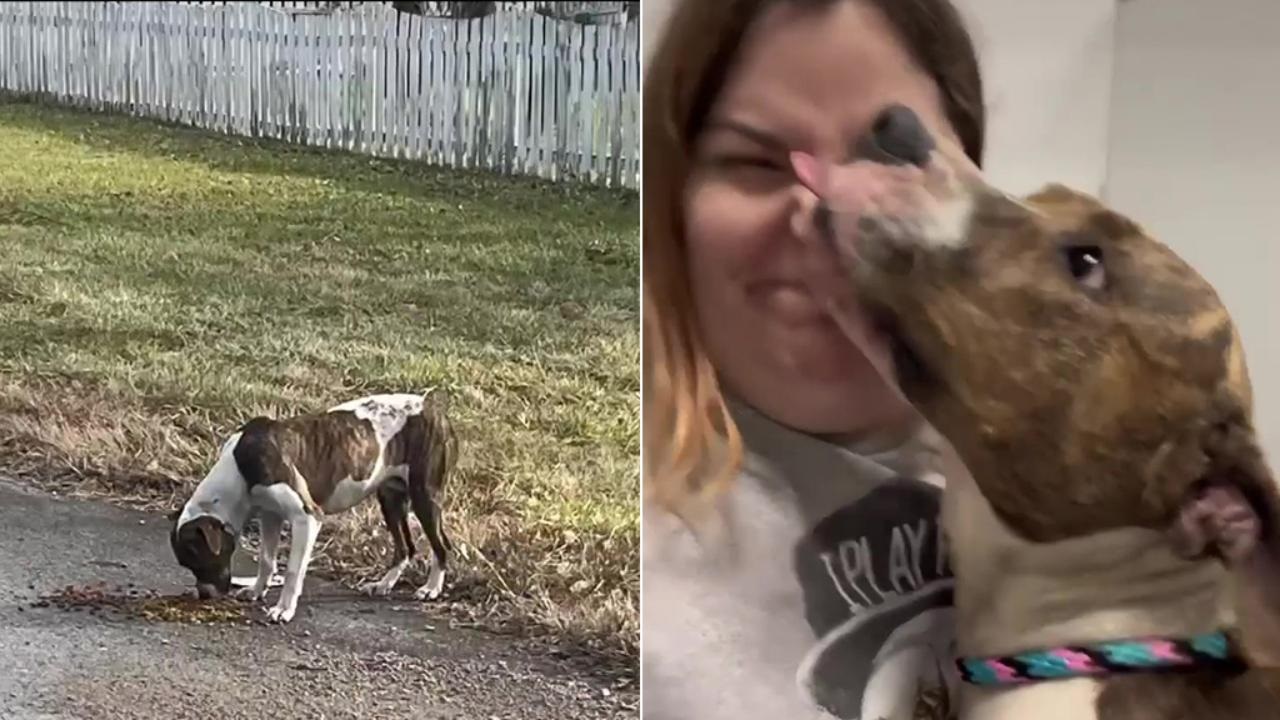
<point x="212" y="537"/>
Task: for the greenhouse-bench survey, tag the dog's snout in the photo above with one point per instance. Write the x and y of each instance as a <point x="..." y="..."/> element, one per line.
<point x="897" y="137"/>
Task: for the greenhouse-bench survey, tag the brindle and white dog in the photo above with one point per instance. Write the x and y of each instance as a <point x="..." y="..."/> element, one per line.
<point x="1117" y="509"/>
<point x="399" y="447"/>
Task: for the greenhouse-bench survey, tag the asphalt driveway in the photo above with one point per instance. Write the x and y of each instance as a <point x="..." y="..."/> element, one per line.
<point x="343" y="656"/>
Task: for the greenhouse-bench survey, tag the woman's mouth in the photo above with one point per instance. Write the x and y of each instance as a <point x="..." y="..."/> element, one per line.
<point x="789" y="300"/>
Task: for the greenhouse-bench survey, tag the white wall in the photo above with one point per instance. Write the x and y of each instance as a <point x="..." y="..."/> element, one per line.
<point x="1193" y="157"/>
<point x="1046" y="70"/>
<point x="1166" y="108"/>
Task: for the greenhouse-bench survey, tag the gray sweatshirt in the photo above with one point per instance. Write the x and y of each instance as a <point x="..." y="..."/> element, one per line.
<point x="825" y="594"/>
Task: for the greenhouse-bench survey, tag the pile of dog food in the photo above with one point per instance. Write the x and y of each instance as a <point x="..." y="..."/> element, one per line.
<point x="131" y="601"/>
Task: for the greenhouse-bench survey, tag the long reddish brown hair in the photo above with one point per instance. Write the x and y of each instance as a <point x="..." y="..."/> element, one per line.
<point x="691" y="446"/>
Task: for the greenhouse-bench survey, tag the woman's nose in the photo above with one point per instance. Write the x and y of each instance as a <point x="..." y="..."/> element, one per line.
<point x="897" y="137"/>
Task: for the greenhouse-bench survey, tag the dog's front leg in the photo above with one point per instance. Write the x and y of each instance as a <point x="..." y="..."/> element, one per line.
<point x="305" y="530"/>
<point x="270" y="526"/>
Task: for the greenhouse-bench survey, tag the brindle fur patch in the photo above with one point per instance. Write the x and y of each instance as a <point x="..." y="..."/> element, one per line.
<point x="1056" y="398"/>
<point x="324" y="448"/>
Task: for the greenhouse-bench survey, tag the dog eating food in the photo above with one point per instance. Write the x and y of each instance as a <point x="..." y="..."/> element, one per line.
<point x="1116" y="537"/>
<point x="397" y="447"/>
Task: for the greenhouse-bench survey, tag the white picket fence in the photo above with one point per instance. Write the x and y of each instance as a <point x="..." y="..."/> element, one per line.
<point x="514" y="92"/>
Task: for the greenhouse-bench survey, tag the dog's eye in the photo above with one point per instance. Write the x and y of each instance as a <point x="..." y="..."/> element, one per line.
<point x="1085" y="264"/>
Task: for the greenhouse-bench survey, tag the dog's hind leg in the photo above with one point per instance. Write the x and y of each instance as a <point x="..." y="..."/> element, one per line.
<point x="394" y="503"/>
<point x="437" y="527"/>
<point x="427" y="475"/>
<point x="270" y="526"/>
<point x="429" y="516"/>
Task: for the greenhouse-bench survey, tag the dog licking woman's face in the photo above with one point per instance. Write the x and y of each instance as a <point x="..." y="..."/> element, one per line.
<point x="204" y="546"/>
<point x="1087" y="376"/>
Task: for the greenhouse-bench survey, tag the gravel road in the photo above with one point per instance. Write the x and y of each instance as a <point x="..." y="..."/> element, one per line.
<point x="343" y="656"/>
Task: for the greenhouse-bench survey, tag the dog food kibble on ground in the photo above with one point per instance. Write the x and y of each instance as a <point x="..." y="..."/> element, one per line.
<point x="146" y="604"/>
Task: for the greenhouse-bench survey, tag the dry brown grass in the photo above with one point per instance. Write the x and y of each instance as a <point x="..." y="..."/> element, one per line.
<point x="85" y="441"/>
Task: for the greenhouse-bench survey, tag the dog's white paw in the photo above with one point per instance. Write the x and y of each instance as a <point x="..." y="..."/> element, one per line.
<point x="426" y="592"/>
<point x="279" y="614"/>
<point x="434" y="585"/>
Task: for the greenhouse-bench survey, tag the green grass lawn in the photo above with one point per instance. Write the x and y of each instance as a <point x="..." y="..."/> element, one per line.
<point x="159" y="285"/>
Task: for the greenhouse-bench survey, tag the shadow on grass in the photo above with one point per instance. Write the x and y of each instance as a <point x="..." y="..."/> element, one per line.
<point x="476" y="307"/>
<point x="159" y="139"/>
<point x="523" y="261"/>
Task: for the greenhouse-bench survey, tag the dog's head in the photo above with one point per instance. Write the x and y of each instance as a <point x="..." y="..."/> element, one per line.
<point x="1088" y="378"/>
<point x="204" y="545"/>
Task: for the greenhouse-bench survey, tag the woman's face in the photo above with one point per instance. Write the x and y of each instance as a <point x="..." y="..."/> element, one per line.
<point x="810" y="80"/>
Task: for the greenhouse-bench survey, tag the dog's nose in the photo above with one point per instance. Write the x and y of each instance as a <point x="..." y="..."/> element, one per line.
<point x="897" y="137"/>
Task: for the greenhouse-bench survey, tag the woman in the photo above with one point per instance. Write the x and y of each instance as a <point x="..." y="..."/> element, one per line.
<point x="792" y="562"/>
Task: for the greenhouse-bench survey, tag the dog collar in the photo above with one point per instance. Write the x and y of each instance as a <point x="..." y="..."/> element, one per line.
<point x="1210" y="650"/>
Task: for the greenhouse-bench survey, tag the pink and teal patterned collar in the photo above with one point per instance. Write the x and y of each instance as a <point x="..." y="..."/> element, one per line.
<point x="1210" y="650"/>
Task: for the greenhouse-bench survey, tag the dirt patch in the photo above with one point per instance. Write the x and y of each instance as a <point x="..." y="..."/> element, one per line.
<point x="135" y="602"/>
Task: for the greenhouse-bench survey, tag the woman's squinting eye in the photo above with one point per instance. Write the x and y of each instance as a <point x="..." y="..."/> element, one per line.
<point x="732" y="161"/>
<point x="1085" y="265"/>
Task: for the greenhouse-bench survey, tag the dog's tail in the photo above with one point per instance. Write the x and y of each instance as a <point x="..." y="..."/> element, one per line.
<point x="443" y="457"/>
<point x="448" y="460"/>
<point x="437" y="396"/>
